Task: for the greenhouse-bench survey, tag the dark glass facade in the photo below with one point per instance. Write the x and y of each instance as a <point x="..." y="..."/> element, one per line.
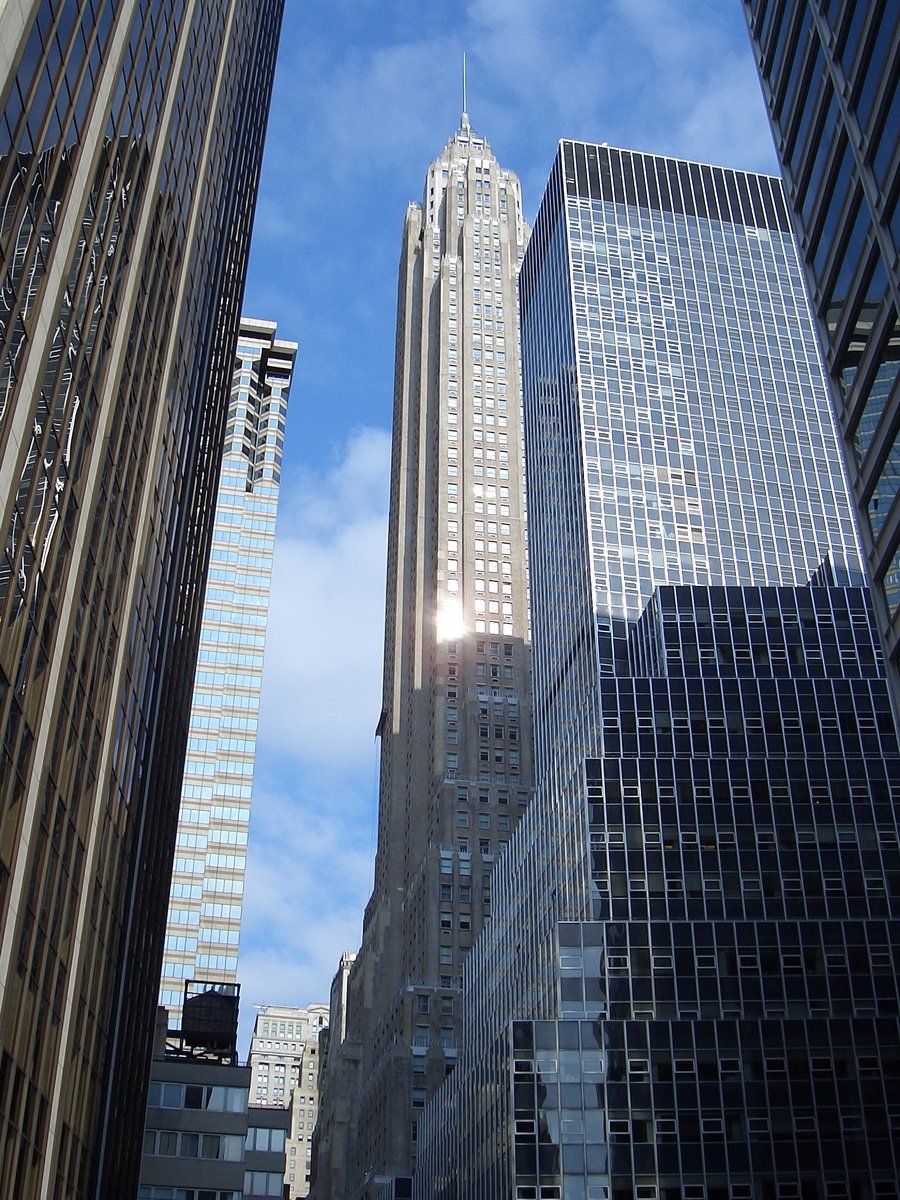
<point x="731" y="1020"/>
<point x="130" y="143"/>
<point x="689" y="985"/>
<point x="829" y="72"/>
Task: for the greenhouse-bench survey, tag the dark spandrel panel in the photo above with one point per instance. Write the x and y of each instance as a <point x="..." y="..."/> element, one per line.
<point x="692" y="189"/>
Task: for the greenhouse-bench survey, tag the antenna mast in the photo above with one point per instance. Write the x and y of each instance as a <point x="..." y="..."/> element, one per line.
<point x="465" y="107"/>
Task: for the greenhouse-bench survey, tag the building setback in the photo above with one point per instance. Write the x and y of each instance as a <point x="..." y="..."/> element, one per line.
<point x="829" y="73"/>
<point x="455" y="751"/>
<point x="130" y="143"/>
<point x="207" y="889"/>
<point x="689" y="984"/>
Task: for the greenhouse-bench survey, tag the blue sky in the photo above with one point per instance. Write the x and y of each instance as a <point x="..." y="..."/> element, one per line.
<point x="367" y="92"/>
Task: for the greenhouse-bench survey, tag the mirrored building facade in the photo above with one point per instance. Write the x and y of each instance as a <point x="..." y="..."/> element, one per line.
<point x="691" y="969"/>
<point x="130" y="142"/>
<point x="830" y="71"/>
<point x="207" y="889"/>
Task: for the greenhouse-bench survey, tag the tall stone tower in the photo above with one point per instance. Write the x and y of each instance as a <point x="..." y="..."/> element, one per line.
<point x="456" y="719"/>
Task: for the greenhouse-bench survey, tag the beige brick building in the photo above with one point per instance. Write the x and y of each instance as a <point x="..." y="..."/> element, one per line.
<point x="284" y="1073"/>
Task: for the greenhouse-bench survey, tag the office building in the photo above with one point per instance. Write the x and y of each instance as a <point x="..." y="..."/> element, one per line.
<point x="130" y="143"/>
<point x="829" y="73"/>
<point x="338" y="1065"/>
<point x="202" y="1141"/>
<point x="689" y="985"/>
<point x="206" y="896"/>
<point x="455" y="752"/>
<point x="284" y="1073"/>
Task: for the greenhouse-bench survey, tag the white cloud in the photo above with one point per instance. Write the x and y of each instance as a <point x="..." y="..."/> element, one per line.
<point x="312" y="824"/>
<point x="308" y="878"/>
<point x="689" y="87"/>
<point x="321" y="691"/>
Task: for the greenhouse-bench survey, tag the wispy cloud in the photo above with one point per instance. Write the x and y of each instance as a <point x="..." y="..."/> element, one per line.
<point x="321" y="686"/>
<point x="690" y="87"/>
<point x="312" y="822"/>
<point x="308" y="878"/>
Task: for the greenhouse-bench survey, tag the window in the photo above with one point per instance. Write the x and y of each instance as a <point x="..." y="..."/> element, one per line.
<point x="265" y="1139"/>
<point x="170" y="1144"/>
<point x="263" y="1183"/>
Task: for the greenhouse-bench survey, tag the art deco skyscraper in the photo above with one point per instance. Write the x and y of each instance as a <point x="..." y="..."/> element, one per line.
<point x="689" y="985"/>
<point x="130" y="143"/>
<point x="206" y="896"/>
<point x="830" y="75"/>
<point x="455" y="746"/>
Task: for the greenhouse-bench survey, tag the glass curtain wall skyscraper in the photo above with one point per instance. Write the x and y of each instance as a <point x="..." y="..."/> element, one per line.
<point x="830" y="70"/>
<point x="131" y="137"/>
<point x="206" y="897"/>
<point x="455" y="746"/>
<point x="687" y="988"/>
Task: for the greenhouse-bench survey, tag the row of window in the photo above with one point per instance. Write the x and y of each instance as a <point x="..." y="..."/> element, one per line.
<point x="263" y="1183"/>
<point x="171" y="1143"/>
<point x="262" y="1138"/>
<point x="197" y="1096"/>
<point x="484" y="820"/>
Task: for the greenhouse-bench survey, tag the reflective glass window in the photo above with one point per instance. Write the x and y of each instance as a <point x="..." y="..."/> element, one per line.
<point x="892" y="585"/>
<point x="886" y="488"/>
<point x="849" y="262"/>
<point x="840" y="181"/>
<point x="808" y="197"/>
<point x="855" y="18"/>
<point x="870" y="78"/>
<point x="868" y="305"/>
<point x="815" y="73"/>
<point x="880" y="391"/>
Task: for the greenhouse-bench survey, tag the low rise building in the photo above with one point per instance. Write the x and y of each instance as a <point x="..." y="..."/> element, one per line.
<point x="202" y="1141"/>
<point x="284" y="1074"/>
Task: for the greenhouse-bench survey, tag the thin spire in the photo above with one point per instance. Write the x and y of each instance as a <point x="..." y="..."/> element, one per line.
<point x="465" y="108"/>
